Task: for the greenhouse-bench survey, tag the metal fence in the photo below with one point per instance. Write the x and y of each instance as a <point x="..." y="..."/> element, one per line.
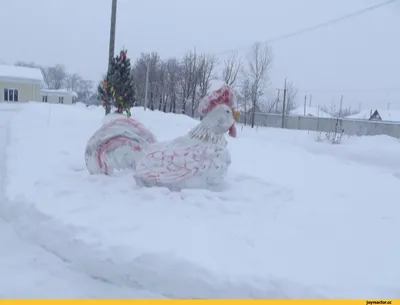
<point x="347" y="126"/>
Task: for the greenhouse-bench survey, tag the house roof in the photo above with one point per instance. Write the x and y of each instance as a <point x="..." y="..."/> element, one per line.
<point x="17" y="73"/>
<point x="57" y="92"/>
<point x="385" y="114"/>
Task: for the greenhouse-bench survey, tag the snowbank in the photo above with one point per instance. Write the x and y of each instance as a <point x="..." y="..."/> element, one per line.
<point x="295" y="218"/>
<point x="30" y="272"/>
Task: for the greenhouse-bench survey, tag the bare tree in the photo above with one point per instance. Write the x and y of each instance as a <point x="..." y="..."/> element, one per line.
<point x="153" y="62"/>
<point x="72" y="81"/>
<point x="84" y="90"/>
<point x="161" y="86"/>
<point x="244" y="98"/>
<point x="259" y="63"/>
<point x="154" y="70"/>
<point x="139" y="77"/>
<point x="231" y="69"/>
<point x="26" y="64"/>
<point x="173" y="74"/>
<point x="55" y="77"/>
<point x="188" y="78"/>
<point x="206" y="68"/>
<point x="195" y="81"/>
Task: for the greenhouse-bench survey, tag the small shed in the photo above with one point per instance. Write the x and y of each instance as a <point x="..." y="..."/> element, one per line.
<point x="57" y="96"/>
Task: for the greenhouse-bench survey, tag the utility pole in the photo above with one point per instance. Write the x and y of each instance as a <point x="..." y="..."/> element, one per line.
<point x="147" y="83"/>
<point x="284" y="106"/>
<point x="309" y="103"/>
<point x="305" y="105"/>
<point x="112" y="32"/>
<point x="112" y="42"/>
<point x="277" y="100"/>
<point x="341" y="105"/>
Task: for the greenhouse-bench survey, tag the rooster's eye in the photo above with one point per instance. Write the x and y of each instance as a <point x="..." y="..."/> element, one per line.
<point x="227" y="111"/>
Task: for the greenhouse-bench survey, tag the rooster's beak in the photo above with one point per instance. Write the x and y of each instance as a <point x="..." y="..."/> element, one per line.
<point x="236" y="115"/>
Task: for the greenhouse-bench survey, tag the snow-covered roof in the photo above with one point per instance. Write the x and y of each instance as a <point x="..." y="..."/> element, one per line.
<point x="56" y="91"/>
<point x="310" y="111"/>
<point x="20" y="74"/>
<point x="385" y="114"/>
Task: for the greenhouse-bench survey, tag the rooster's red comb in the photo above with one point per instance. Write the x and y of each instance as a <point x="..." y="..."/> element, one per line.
<point x="223" y="96"/>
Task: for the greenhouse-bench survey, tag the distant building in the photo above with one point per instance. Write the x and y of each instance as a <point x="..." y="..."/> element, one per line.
<point x="375" y="116"/>
<point x="60" y="96"/>
<point x="20" y="84"/>
<point x="389" y="115"/>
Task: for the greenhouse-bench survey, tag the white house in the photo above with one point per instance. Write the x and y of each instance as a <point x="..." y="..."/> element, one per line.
<point x="60" y="96"/>
<point x="19" y="84"/>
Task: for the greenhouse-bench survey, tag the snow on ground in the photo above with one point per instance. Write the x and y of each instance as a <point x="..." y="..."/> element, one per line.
<point x="295" y="218"/>
<point x="29" y="271"/>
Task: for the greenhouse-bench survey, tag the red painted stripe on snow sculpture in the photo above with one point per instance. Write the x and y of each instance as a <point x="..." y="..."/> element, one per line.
<point x="142" y="131"/>
<point x="114" y="142"/>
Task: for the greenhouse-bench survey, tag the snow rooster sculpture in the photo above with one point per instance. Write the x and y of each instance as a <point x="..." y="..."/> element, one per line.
<point x="199" y="159"/>
<point x="116" y="145"/>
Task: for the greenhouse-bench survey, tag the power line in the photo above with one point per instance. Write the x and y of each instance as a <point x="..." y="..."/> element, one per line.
<point x="316" y="26"/>
<point x="369" y="90"/>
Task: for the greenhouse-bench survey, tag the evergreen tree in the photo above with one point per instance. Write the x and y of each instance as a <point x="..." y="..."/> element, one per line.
<point x="105" y="94"/>
<point x="117" y="88"/>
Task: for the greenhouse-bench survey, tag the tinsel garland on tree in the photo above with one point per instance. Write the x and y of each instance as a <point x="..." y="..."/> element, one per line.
<point x="117" y="88"/>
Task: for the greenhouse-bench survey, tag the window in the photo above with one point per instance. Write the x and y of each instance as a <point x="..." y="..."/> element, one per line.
<point x="10" y="95"/>
<point x="61" y="100"/>
<point x="44" y="98"/>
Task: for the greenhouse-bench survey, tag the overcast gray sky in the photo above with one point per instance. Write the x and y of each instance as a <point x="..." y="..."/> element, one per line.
<point x="358" y="57"/>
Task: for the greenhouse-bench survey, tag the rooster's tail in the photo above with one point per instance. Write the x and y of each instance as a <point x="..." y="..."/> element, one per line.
<point x="116" y="145"/>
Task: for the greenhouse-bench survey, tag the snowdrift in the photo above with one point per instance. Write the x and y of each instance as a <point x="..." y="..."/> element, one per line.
<point x="293" y="220"/>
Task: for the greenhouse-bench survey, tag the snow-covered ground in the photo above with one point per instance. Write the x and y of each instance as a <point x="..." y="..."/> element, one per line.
<point x="31" y="271"/>
<point x="295" y="218"/>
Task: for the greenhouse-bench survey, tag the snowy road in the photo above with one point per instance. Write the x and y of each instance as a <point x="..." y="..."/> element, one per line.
<point x="28" y="271"/>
